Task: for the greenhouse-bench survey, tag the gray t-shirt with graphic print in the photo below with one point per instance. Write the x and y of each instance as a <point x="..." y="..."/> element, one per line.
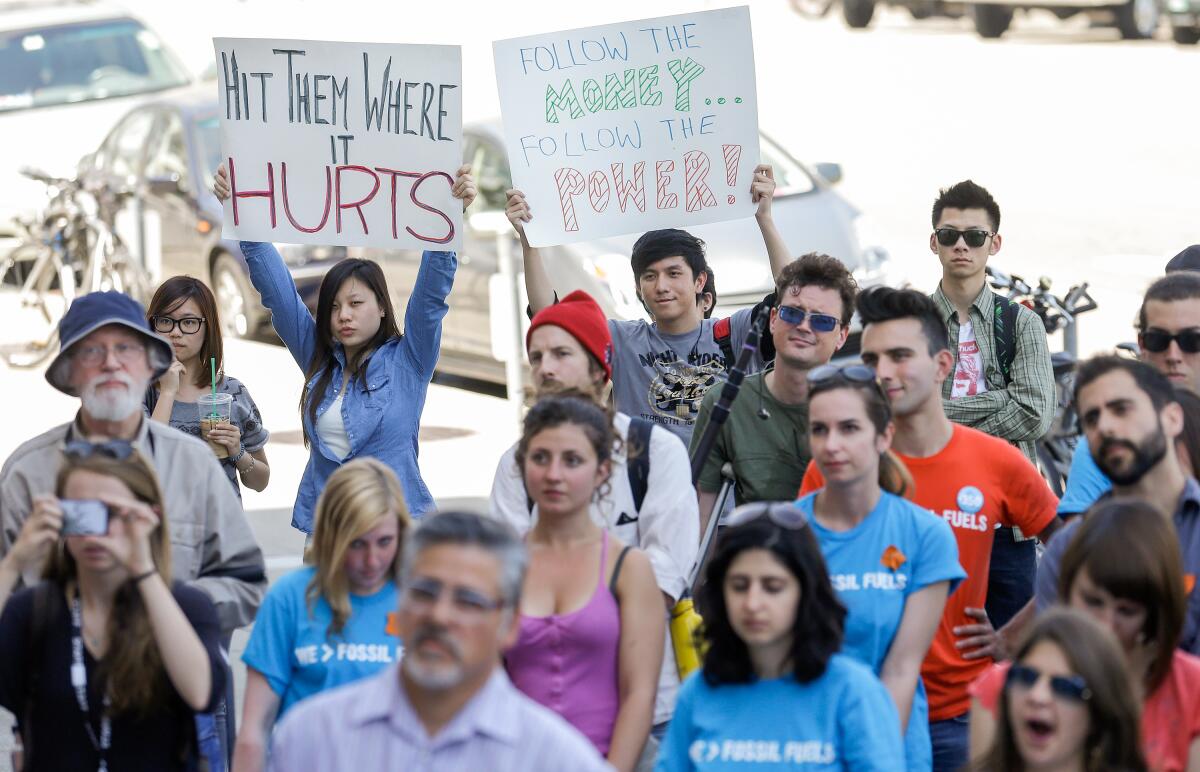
<point x="663" y="378"/>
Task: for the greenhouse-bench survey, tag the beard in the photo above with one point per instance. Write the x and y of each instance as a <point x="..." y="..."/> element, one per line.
<point x="1144" y="457"/>
<point x="433" y="677"/>
<point x="112" y="404"/>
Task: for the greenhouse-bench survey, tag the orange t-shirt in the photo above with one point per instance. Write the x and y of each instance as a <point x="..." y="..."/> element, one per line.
<point x="1170" y="716"/>
<point x="975" y="482"/>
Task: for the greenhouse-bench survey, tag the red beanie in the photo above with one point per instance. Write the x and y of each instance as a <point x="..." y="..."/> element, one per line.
<point x="580" y="315"/>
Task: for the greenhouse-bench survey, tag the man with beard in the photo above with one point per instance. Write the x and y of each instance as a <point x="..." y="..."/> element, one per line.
<point x="108" y="358"/>
<point x="447" y="704"/>
<point x="1132" y="420"/>
<point x="1169" y="338"/>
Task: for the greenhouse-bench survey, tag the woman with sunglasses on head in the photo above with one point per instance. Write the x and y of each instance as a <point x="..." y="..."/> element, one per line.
<point x="105" y="662"/>
<point x="591" y="627"/>
<point x="773" y="686"/>
<point x="1123" y="568"/>
<point x="365" y="381"/>
<point x="1065" y="704"/>
<point x="184" y="310"/>
<point x="892" y="562"/>
<point x="331" y="622"/>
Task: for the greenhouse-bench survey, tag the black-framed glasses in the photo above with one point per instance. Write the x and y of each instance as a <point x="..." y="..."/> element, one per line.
<point x="188" y="325"/>
<point x="118" y="449"/>
<point x="1157" y="341"/>
<point x="422" y="594"/>
<point x="818" y="322"/>
<point x="975" y="237"/>
<point x="126" y="353"/>
<point x="784" y="514"/>
<point x="1072" y="688"/>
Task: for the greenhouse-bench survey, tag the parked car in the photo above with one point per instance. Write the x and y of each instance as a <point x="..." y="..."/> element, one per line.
<point x="68" y="70"/>
<point x="168" y="148"/>
<point x="1135" y="19"/>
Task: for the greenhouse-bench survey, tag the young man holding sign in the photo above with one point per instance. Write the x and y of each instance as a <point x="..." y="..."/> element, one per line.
<point x="663" y="369"/>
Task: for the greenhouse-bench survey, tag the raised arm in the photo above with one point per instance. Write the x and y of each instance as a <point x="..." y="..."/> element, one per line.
<point x="762" y="192"/>
<point x="38" y="535"/>
<point x="537" y="281"/>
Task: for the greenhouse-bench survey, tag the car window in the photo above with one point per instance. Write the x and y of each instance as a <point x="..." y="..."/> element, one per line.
<point x="490" y="167"/>
<point x="790" y="177"/>
<point x="122" y="152"/>
<point x="81" y="62"/>
<point x="168" y="158"/>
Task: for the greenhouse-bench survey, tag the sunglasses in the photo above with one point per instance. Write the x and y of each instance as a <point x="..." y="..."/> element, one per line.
<point x="1072" y="688"/>
<point x="188" y="325"/>
<point x="975" y="237"/>
<point x="1158" y="341"/>
<point x="782" y="513"/>
<point x="118" y="449"/>
<point x="852" y="373"/>
<point x="818" y="322"/>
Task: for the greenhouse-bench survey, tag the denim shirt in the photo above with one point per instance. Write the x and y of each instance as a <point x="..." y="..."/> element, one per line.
<point x="381" y="413"/>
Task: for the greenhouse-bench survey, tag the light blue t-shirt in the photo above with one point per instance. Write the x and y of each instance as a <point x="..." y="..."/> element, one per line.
<point x="897" y="550"/>
<point x="841" y="720"/>
<point x="1085" y="482"/>
<point x="294" y="652"/>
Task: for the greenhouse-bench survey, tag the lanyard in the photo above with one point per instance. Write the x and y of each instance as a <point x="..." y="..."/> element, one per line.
<point x="79" y="682"/>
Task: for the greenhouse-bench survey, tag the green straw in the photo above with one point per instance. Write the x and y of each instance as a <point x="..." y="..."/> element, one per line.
<point x="213" y="364"/>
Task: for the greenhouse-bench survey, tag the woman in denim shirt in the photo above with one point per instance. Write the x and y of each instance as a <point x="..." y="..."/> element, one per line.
<point x="365" y="382"/>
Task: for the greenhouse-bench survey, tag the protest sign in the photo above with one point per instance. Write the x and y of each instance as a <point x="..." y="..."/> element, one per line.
<point x="634" y="126"/>
<point x="349" y="144"/>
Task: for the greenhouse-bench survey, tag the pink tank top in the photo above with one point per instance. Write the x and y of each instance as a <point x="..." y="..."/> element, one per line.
<point x="568" y="662"/>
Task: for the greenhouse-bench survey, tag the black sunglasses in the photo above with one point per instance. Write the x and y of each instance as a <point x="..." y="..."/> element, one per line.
<point x="1158" y="341"/>
<point x="851" y="373"/>
<point x="975" y="237"/>
<point x="1072" y="688"/>
<point x="118" y="449"/>
<point x="784" y="514"/>
<point x="818" y="322"/>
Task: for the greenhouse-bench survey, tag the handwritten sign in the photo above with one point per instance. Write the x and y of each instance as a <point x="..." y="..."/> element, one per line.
<point x="350" y="144"/>
<point x="634" y="126"/>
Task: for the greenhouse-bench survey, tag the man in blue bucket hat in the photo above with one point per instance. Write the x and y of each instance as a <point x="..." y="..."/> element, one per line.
<point x="109" y="356"/>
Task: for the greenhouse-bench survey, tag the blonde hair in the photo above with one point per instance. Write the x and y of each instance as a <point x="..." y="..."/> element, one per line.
<point x="356" y="497"/>
<point x="133" y="664"/>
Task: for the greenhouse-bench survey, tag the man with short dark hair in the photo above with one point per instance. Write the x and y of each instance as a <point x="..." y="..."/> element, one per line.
<point x="1169" y="338"/>
<point x="971" y="479"/>
<point x="1131" y="419"/>
<point x="662" y="369"/>
<point x="448" y="704"/>
<point x="765" y="437"/>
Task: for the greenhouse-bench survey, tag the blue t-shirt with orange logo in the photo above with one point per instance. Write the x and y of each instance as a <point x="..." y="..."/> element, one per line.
<point x="897" y="550"/>
<point x="294" y="651"/>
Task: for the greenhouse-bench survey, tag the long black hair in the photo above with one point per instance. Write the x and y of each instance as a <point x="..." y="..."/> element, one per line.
<point x="369" y="273"/>
<point x="820" y="616"/>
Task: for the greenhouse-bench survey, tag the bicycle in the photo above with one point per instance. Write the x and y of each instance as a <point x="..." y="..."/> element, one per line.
<point x="70" y="250"/>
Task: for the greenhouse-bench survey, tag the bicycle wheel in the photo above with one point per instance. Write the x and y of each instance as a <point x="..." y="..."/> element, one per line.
<point x="124" y="274"/>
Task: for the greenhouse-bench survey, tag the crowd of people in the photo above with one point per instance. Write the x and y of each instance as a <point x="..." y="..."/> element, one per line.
<point x="877" y="600"/>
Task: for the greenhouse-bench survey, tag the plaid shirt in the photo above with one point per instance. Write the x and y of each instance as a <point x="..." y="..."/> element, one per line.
<point x="1021" y="411"/>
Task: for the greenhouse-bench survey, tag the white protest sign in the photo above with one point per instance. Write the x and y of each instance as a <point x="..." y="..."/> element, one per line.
<point x="629" y="127"/>
<point x="349" y="144"/>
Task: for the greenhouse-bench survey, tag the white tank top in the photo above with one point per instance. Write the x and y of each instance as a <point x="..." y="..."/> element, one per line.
<point x="332" y="430"/>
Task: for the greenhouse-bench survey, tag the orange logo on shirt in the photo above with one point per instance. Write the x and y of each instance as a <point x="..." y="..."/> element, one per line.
<point x="1189" y="581"/>
<point x="893" y="558"/>
<point x="393" y="624"/>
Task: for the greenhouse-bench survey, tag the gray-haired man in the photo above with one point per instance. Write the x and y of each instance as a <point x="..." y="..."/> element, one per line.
<point x="448" y="704"/>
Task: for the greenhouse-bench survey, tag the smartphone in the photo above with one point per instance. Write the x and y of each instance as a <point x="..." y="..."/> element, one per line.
<point x="84" y="517"/>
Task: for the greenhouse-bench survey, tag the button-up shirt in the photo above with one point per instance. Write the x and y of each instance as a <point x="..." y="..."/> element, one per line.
<point x="371" y="725"/>
<point x="1021" y="410"/>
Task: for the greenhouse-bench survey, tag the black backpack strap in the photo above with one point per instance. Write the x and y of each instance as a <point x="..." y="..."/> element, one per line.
<point x="612" y="583"/>
<point x="723" y="334"/>
<point x="1004" y="325"/>
<point x="637" y="459"/>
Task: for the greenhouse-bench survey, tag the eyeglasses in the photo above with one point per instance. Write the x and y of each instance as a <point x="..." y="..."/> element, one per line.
<point x="818" y="322"/>
<point x="188" y="325"/>
<point x="782" y="513"/>
<point x="1072" y="688"/>
<point x="126" y="353"/>
<point x="1158" y="341"/>
<point x="975" y="237"/>
<point x="423" y="594"/>
<point x="118" y="449"/>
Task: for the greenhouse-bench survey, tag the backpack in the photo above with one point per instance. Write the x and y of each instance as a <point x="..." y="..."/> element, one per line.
<point x="1004" y="328"/>
<point x="723" y="335"/>
<point x="637" y="467"/>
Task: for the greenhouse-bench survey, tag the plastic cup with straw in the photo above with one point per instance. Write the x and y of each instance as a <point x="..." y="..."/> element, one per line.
<point x="214" y="409"/>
